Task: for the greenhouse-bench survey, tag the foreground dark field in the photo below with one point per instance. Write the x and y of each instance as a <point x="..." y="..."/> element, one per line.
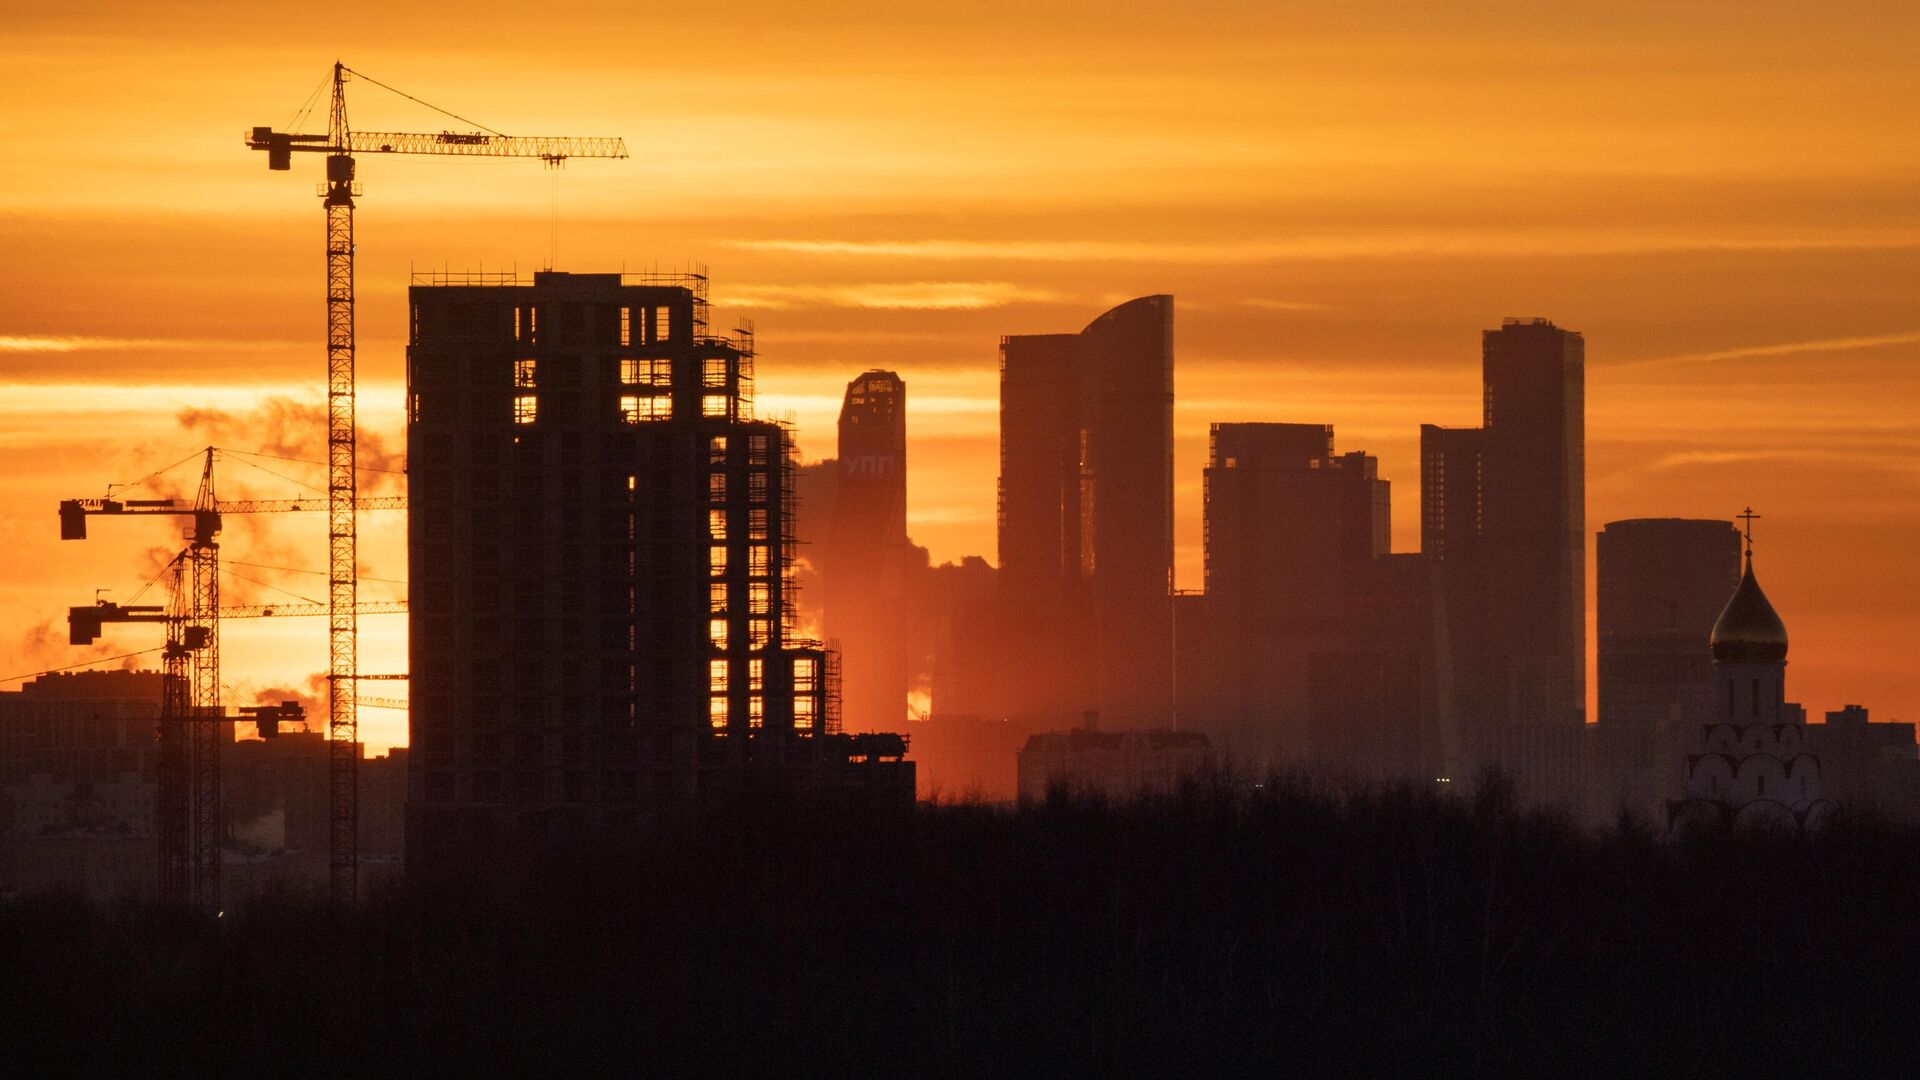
<point x="1282" y="930"/>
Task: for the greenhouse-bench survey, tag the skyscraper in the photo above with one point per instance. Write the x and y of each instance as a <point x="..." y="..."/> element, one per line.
<point x="601" y="550"/>
<point x="1503" y="517"/>
<point x="1450" y="486"/>
<point x="1086" y="518"/>
<point x="1662" y="583"/>
<point x="1294" y="532"/>
<point x="1533" y="519"/>
<point x="866" y="554"/>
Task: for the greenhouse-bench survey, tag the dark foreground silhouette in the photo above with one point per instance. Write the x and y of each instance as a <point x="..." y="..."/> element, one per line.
<point x="1279" y="930"/>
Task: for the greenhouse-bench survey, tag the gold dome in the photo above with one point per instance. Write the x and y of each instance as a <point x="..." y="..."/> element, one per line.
<point x="1749" y="629"/>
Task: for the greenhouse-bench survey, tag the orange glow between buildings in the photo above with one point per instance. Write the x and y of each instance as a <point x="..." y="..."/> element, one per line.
<point x="1339" y="196"/>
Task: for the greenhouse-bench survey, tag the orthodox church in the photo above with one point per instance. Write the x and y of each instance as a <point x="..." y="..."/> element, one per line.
<point x="1750" y="768"/>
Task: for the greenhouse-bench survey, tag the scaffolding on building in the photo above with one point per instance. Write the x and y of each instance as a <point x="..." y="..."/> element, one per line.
<point x="830" y="701"/>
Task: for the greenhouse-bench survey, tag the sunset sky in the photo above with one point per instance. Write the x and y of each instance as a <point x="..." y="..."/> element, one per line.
<point x="1341" y="196"/>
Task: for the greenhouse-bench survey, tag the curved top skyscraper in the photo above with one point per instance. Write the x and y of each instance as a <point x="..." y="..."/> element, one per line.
<point x="1086" y="518"/>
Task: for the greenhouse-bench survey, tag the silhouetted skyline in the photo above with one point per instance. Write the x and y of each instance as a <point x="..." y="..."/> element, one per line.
<point x="1101" y="714"/>
<point x="1341" y="223"/>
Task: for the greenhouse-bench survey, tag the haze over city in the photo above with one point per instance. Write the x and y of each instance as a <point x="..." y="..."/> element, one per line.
<point x="1340" y="197"/>
<point x="1323" y="537"/>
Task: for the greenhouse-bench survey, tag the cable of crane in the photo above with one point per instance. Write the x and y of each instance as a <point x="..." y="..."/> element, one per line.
<point x="266" y="585"/>
<point x="115" y="489"/>
<point x="428" y="104"/>
<point x="155" y="579"/>
<point x="305" y="108"/>
<point x="283" y="476"/>
<point x="76" y="667"/>
<point x="307" y="461"/>
<point x="316" y="573"/>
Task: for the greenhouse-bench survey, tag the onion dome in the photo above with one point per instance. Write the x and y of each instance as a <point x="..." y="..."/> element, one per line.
<point x="1749" y="629"/>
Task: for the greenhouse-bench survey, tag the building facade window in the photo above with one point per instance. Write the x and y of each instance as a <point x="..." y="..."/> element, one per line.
<point x="644" y="408"/>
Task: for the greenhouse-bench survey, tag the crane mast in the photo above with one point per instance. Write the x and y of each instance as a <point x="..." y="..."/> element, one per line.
<point x="343" y="727"/>
<point x="207" y="824"/>
<point x="188" y="816"/>
<point x="339" y="144"/>
<point x="187" y="813"/>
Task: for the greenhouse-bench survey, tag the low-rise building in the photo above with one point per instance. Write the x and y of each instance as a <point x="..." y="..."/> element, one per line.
<point x="1112" y="764"/>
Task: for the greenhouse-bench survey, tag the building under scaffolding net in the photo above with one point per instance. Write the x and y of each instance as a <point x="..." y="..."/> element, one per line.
<point x="602" y="552"/>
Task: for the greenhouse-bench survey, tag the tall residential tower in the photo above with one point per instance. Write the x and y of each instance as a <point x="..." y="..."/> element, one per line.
<point x="601" y="551"/>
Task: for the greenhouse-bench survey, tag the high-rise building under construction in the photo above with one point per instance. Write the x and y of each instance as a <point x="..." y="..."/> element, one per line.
<point x="601" y="554"/>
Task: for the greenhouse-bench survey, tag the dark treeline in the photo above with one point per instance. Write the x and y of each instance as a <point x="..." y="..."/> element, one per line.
<point x="1281" y="929"/>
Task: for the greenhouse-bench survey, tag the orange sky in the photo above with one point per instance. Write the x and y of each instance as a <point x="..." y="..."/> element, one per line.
<point x="1340" y="196"/>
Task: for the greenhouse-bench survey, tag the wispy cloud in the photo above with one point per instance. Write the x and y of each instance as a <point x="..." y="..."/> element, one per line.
<point x="1687" y="458"/>
<point x="786" y="336"/>
<point x="1264" y="304"/>
<point x="1898" y="461"/>
<point x="67" y="343"/>
<point x="57" y="400"/>
<point x="1790" y="348"/>
<point x="942" y="404"/>
<point x="903" y="295"/>
<point x="1450" y="243"/>
<point x="947" y="515"/>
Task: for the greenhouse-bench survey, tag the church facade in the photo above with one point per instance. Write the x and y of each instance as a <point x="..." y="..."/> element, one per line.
<point x="1750" y="768"/>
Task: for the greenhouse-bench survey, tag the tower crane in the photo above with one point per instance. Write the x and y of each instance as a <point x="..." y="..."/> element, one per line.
<point x="188" y="815"/>
<point x="340" y="144"/>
